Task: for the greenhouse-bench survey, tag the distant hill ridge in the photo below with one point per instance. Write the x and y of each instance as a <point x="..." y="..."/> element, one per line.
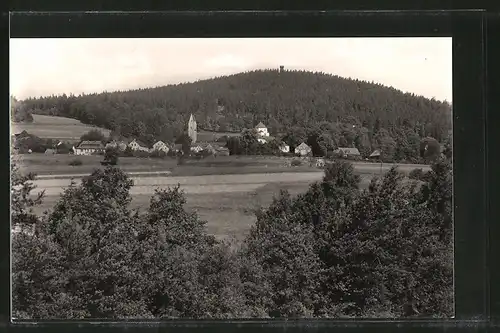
<point x="280" y="100"/>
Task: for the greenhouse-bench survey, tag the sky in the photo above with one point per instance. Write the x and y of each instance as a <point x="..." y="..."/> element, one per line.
<point x="40" y="67"/>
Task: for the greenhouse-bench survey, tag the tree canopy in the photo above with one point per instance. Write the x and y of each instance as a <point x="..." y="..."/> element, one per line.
<point x="332" y="251"/>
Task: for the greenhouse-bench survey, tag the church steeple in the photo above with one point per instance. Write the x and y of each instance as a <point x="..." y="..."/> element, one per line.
<point x="192" y="128"/>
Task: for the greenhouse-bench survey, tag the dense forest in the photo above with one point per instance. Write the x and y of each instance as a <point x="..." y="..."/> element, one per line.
<point x="332" y="252"/>
<point x="345" y="112"/>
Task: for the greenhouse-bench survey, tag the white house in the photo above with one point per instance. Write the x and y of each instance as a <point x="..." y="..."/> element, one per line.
<point x="261" y="129"/>
<point x="284" y="148"/>
<point x="303" y="149"/>
<point x="89" y="148"/>
<point x="135" y="145"/>
<point x="160" y="146"/>
<point x="196" y="148"/>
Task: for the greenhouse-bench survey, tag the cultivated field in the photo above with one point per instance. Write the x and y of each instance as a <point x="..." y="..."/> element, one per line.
<point x="224" y="190"/>
<point x="51" y="127"/>
<point x="226" y="202"/>
<point x="42" y="164"/>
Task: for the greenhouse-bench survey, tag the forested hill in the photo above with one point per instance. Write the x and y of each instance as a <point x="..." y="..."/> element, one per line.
<point x="231" y="103"/>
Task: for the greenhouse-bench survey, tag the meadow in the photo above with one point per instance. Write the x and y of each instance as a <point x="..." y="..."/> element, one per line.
<point x="43" y="164"/>
<point x="52" y="127"/>
<point x="225" y="191"/>
<point x="227" y="203"/>
<point x="229" y="214"/>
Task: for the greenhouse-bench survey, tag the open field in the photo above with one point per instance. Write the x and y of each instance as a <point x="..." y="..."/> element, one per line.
<point x="224" y="191"/>
<point x="51" y="127"/>
<point x="59" y="164"/>
<point x="226" y="202"/>
<point x="43" y="164"/>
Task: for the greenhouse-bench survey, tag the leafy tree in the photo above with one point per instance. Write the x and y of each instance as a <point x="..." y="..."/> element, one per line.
<point x="185" y="140"/>
<point x="294" y="137"/>
<point x="430" y="149"/>
<point x="97" y="234"/>
<point x="234" y="145"/>
<point x="19" y="111"/>
<point x="128" y="152"/>
<point x="93" y="135"/>
<point x="249" y="143"/>
<point x="22" y="202"/>
<point x="111" y="155"/>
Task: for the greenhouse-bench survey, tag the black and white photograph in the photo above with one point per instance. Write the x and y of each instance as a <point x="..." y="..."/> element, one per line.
<point x="231" y="178"/>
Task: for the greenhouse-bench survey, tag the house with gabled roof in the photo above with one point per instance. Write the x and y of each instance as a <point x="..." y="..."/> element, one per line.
<point x="303" y="149"/>
<point x="345" y="152"/>
<point x="261" y="130"/>
<point x="284" y="147"/>
<point x="138" y="145"/>
<point x="89" y="148"/>
<point x="160" y="146"/>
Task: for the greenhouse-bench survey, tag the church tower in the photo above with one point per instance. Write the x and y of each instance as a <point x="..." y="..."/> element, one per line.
<point x="192" y="128"/>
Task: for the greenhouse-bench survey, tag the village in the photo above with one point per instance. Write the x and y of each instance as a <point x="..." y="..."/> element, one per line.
<point x="201" y="148"/>
<point x="234" y="189"/>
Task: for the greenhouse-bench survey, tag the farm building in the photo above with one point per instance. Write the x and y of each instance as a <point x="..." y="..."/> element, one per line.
<point x="347" y="152"/>
<point x="261" y="129"/>
<point x="89" y="148"/>
<point x="137" y="145"/>
<point x="303" y="149"/>
<point x="160" y="146"/>
<point x="284" y="148"/>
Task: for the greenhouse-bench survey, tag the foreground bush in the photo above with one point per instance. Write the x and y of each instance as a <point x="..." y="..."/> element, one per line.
<point x="333" y="251"/>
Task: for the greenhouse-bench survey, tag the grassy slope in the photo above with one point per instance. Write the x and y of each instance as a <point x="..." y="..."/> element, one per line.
<point x="51" y="127"/>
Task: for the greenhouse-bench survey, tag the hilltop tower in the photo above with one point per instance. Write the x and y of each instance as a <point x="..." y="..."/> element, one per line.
<point x="192" y="128"/>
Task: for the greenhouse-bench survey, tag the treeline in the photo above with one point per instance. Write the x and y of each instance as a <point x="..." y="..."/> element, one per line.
<point x="333" y="251"/>
<point x="323" y="142"/>
<point x="26" y="142"/>
<point x="19" y="112"/>
<point x="281" y="100"/>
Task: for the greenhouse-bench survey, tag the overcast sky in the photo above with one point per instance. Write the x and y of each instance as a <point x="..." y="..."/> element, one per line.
<point x="54" y="66"/>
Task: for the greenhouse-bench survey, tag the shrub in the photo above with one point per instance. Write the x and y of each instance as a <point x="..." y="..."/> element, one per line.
<point x="296" y="162"/>
<point x="75" y="162"/>
<point x="111" y="156"/>
<point x="93" y="135"/>
<point x="158" y="154"/>
<point x="141" y="154"/>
